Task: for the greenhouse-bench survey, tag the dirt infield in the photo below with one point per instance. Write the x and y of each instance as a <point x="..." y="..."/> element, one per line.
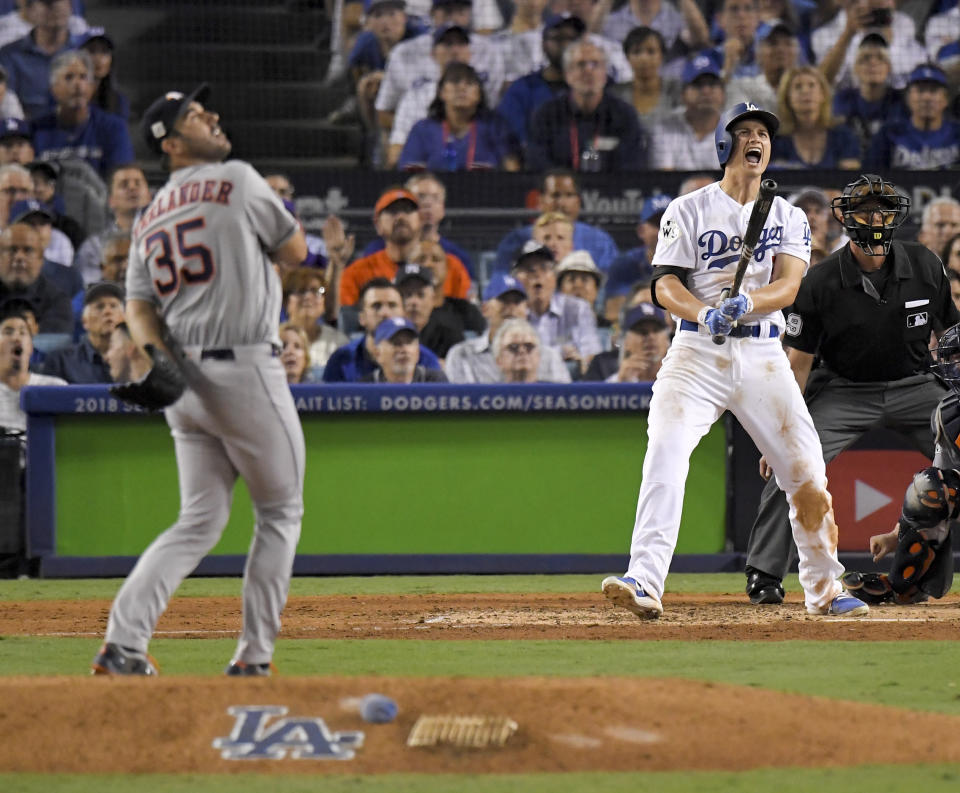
<point x="147" y="725"/>
<point x="503" y="616"/>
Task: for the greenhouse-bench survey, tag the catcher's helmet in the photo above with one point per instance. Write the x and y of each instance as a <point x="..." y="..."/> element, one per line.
<point x="723" y="138"/>
<point x="871" y="209"/>
<point x="946" y="358"/>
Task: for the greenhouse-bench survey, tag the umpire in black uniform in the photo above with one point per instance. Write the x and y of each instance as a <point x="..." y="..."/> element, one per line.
<point x="867" y="311"/>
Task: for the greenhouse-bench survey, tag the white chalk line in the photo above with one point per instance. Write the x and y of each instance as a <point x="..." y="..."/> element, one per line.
<point x="198" y="632"/>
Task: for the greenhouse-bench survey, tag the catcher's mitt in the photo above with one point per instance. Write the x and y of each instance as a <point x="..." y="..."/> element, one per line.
<point x="160" y="387"/>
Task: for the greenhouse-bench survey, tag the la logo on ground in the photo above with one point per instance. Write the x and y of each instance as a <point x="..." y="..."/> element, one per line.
<point x="252" y="738"/>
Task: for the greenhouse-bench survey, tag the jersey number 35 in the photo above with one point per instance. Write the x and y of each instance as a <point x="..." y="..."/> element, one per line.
<point x="192" y="263"/>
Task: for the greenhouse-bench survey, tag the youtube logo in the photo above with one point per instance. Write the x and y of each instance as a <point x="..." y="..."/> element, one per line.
<point x="867" y="486"/>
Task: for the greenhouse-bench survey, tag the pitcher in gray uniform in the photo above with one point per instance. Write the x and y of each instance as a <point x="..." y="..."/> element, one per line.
<point x="202" y="287"/>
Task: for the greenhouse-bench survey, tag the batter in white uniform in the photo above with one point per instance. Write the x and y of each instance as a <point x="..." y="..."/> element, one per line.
<point x="749" y="375"/>
<point x="201" y="259"/>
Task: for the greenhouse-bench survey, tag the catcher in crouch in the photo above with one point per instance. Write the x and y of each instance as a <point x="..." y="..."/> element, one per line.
<point x="920" y="543"/>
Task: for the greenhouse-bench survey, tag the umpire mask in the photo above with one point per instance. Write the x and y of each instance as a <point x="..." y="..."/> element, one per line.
<point x="871" y="209"/>
<point x="946" y="358"/>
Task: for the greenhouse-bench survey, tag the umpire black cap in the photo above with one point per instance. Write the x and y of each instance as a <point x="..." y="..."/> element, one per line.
<point x="160" y="117"/>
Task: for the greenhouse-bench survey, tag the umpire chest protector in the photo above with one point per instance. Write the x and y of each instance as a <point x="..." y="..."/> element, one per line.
<point x="872" y="328"/>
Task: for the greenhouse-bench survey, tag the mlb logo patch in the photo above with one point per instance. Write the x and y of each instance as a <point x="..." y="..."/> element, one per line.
<point x="916" y="320"/>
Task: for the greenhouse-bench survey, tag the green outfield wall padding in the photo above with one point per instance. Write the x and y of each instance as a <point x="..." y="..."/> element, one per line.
<point x="399" y="483"/>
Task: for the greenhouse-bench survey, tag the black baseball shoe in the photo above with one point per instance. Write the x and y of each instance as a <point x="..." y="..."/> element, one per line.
<point x="242" y="669"/>
<point x="763" y="588"/>
<point x="116" y="660"/>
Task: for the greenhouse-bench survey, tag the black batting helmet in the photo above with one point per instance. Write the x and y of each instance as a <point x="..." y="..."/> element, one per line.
<point x="871" y="209"/>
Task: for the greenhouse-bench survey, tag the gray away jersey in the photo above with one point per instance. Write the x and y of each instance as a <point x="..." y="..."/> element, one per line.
<point x="199" y="251"/>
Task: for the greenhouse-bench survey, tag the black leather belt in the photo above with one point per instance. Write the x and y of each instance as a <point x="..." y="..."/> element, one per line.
<point x="227" y="354"/>
<point x="740" y="332"/>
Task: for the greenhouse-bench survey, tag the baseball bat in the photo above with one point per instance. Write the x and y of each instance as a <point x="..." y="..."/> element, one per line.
<point x="761" y="208"/>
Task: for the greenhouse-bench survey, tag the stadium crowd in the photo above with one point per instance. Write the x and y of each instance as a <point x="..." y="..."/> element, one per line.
<point x="553" y="87"/>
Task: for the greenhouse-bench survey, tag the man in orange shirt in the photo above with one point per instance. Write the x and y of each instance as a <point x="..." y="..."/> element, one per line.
<point x="397" y="221"/>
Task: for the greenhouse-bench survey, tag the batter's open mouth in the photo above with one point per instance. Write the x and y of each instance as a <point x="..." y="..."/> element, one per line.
<point x="754" y="154"/>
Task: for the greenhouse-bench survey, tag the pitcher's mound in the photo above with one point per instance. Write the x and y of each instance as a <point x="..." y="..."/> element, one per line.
<point x="605" y="724"/>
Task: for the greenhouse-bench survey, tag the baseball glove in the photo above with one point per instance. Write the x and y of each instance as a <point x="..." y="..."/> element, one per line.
<point x="160" y="387"/>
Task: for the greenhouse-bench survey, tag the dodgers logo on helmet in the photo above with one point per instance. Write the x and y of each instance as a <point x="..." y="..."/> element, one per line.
<point x="722" y="137"/>
<point x="252" y="739"/>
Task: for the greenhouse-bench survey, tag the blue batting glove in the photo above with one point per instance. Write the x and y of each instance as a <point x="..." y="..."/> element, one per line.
<point x="735" y="307"/>
<point x="716" y="321"/>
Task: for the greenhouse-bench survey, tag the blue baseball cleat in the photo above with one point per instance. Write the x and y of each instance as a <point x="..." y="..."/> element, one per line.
<point x="626" y="592"/>
<point x="845" y="605"/>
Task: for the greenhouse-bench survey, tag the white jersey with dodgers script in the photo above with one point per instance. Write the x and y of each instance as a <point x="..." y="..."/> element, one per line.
<point x="202" y="245"/>
<point x="703" y="232"/>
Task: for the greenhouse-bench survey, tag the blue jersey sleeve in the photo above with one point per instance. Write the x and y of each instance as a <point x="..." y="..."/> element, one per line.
<point x="416" y="151"/>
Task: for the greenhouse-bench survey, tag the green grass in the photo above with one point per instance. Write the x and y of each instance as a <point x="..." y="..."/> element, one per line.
<point x="929" y="779"/>
<point x="99" y="588"/>
<point x="861" y="671"/>
<point x="919" y="675"/>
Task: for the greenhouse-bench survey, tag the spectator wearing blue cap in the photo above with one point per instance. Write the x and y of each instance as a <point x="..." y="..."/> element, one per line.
<point x="460" y="133"/>
<point x="872" y="101"/>
<point x="27" y="60"/>
<point x="778" y="51"/>
<point x="78" y="129"/>
<point x="652" y="93"/>
<point x="684" y="140"/>
<point x="99" y="46"/>
<point x="633" y="266"/>
<point x="836" y="42"/>
<point x="531" y="90"/>
<point x="412" y="63"/>
<point x="588" y="129"/>
<point x="16" y="142"/>
<point x="451" y="44"/>
<point x="809" y="136"/>
<point x="927" y="140"/>
<point x="387" y="25"/>
<point x="85" y="361"/>
<point x="379" y="300"/>
<point x="44" y="176"/>
<point x="396" y="350"/>
<point x="473" y="360"/>
<point x="681" y="23"/>
<point x="57" y="250"/>
<point x="640" y="348"/>
<point x="942" y="28"/>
